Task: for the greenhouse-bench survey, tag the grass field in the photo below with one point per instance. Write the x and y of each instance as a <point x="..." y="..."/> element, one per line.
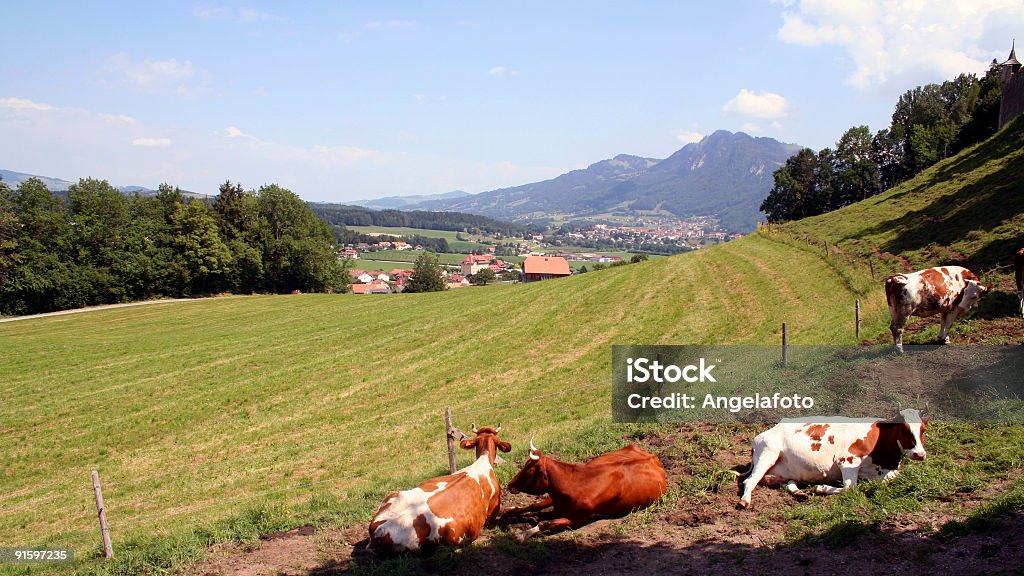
<point x="194" y="411"/>
<point x="225" y="418"/>
<point x="452" y="237"/>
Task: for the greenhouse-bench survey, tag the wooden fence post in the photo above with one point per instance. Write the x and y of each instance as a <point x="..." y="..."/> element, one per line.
<point x="785" y="345"/>
<point x="108" y="548"/>
<point x="872" y="266"/>
<point x="857" y="320"/>
<point x="451" y="438"/>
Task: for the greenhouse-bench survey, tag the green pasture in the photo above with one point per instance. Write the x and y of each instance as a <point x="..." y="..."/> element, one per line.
<point x="220" y="419"/>
<point x="192" y="412"/>
<point x="452" y="237"/>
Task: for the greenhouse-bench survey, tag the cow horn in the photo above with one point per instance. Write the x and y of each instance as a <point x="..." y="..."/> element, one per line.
<point x="497" y="429"/>
<point x="474" y="427"/>
<point x="532" y="447"/>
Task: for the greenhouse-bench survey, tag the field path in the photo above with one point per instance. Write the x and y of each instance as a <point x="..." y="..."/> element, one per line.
<point x="107" y="307"/>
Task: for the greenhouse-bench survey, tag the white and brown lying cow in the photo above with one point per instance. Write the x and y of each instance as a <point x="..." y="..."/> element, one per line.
<point x="829" y="449"/>
<point x="1018" y="273"/>
<point x="449" y="510"/>
<point x="946" y="290"/>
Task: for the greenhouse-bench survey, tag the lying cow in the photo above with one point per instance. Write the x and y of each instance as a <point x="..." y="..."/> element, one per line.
<point x="450" y="510"/>
<point x="609" y="486"/>
<point x="831" y="450"/>
<point x="1018" y="273"/>
<point x="947" y="290"/>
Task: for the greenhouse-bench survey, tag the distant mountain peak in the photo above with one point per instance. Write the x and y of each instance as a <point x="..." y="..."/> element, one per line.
<point x="726" y="175"/>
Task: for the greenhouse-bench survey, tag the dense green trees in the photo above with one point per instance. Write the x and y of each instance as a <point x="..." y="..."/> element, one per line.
<point x="426" y="275"/>
<point x="929" y="123"/>
<point x="100" y="246"/>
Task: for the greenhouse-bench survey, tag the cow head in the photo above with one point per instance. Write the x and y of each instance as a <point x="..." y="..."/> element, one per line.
<point x="533" y="478"/>
<point x="908" y="429"/>
<point x="970" y="295"/>
<point x="486" y="442"/>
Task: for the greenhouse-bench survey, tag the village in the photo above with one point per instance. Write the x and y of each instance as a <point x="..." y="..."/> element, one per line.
<point x="533" y="268"/>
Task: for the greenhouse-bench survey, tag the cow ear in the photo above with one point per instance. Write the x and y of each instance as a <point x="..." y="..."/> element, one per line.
<point x="503" y="446"/>
<point x="467" y="444"/>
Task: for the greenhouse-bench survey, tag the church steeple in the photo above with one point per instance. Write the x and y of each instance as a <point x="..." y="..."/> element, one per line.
<point x="1012" y="60"/>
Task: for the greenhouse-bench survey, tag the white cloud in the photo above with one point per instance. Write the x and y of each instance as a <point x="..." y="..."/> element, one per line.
<point x="23" y="104"/>
<point x="391" y="24"/>
<point x="894" y="44"/>
<point x="152" y="142"/>
<point x="159" y="76"/>
<point x="242" y="15"/>
<point x="688" y="137"/>
<point x="496" y="71"/>
<point x="757" y="105"/>
<point x="752" y="128"/>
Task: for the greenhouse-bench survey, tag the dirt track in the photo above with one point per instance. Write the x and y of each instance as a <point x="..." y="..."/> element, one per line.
<point x="105" y="307"/>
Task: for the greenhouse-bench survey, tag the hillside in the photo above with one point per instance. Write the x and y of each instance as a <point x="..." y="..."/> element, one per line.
<point x="223" y="419"/>
<point x="726" y="175"/>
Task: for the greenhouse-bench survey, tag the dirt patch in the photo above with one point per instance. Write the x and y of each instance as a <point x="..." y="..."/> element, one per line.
<point x="701" y="532"/>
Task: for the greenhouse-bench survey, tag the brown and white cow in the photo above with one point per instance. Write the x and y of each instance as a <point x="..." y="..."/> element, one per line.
<point x="609" y="486"/>
<point x="946" y="290"/>
<point x="1018" y="273"/>
<point x="829" y="449"/>
<point x="449" y="510"/>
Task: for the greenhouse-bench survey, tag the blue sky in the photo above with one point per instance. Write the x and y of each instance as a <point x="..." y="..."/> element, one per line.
<point x="340" y="101"/>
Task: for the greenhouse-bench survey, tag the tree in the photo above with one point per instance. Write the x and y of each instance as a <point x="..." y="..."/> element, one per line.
<point x="298" y="248"/>
<point x="856" y="174"/>
<point x="201" y="257"/>
<point x="638" y="258"/>
<point x="426" y="275"/>
<point x="484" y="277"/>
<point x="8" y="233"/>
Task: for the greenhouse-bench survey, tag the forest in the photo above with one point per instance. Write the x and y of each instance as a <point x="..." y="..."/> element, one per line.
<point x="95" y="245"/>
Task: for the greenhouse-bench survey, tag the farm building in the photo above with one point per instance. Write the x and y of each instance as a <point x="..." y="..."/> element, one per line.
<point x="544" y="268"/>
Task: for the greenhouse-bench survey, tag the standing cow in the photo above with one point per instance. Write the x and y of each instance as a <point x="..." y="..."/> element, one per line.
<point x="946" y="290"/>
<point x="609" y="486"/>
<point x="1018" y="272"/>
<point x="833" y="449"/>
<point x="450" y="510"/>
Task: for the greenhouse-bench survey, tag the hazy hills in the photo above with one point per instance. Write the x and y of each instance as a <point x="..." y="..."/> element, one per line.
<point x="726" y="175"/>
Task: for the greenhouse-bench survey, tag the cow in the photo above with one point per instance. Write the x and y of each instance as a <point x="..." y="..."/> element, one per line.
<point x="829" y="449"/>
<point x="447" y="510"/>
<point x="946" y="290"/>
<point x="1018" y="273"/>
<point x="609" y="486"/>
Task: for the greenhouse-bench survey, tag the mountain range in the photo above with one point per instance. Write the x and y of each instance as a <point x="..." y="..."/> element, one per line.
<point x="726" y="175"/>
<point x="12" y="179"/>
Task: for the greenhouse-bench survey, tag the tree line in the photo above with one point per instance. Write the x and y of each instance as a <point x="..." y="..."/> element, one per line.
<point x="96" y="245"/>
<point x="930" y="123"/>
<point x="343" y="215"/>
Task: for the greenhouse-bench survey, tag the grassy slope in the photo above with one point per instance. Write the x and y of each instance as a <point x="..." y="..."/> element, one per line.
<point x="194" y="412"/>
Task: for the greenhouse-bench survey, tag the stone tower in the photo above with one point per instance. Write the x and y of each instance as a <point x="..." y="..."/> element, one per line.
<point x="1011" y="83"/>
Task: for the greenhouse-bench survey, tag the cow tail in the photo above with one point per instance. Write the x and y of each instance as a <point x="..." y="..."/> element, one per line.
<point x="894" y="288"/>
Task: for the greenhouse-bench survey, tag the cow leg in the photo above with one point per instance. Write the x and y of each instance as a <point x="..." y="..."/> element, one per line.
<point x="763" y="462"/>
<point x="1020" y="294"/>
<point x="947" y="323"/>
<point x="538" y="505"/>
<point x="548" y="526"/>
<point x="850" y="472"/>
<point x="896" y="327"/>
<point x="795" y="490"/>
